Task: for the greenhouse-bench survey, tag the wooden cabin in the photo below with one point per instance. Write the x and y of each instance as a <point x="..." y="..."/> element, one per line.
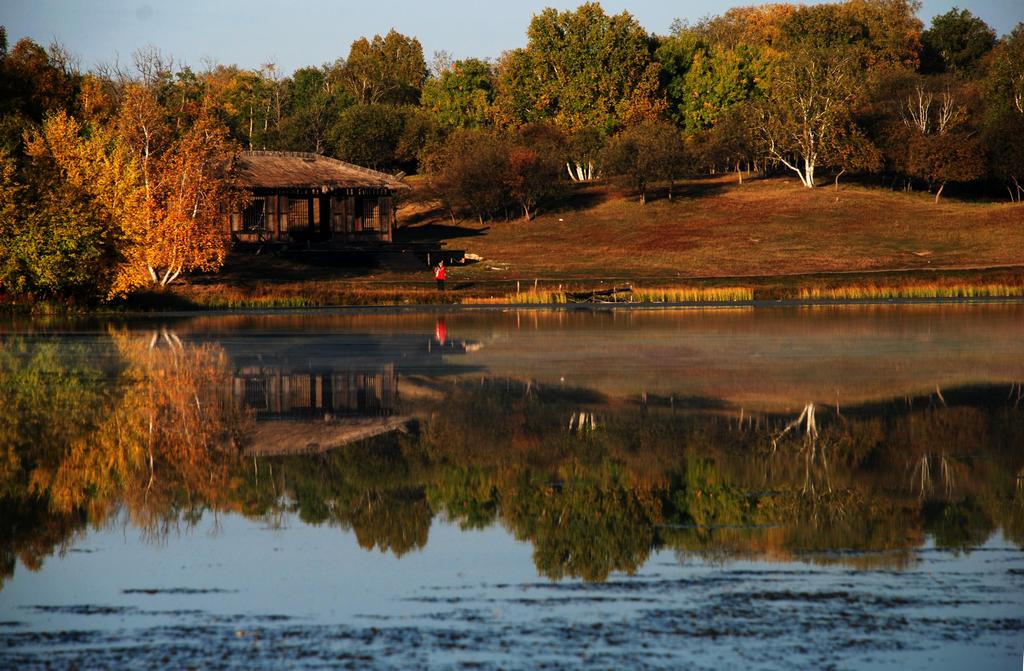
<point x="282" y="392"/>
<point x="300" y="197"/>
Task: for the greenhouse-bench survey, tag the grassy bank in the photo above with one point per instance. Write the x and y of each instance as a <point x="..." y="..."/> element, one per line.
<point x="715" y="228"/>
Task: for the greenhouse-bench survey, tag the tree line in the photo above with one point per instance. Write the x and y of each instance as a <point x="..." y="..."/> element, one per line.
<point x="112" y="180"/>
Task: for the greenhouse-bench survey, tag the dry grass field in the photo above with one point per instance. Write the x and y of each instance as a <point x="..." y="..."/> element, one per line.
<point x="717" y="228"/>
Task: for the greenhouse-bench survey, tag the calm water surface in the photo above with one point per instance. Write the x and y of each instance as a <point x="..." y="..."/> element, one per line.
<point x="769" y="488"/>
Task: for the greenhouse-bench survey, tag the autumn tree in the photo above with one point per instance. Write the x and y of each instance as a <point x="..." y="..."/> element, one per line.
<point x="878" y="32"/>
<point x="733" y="141"/>
<point x="35" y="80"/>
<point x="183" y="159"/>
<point x="70" y="205"/>
<point x="467" y="173"/>
<point x="940" y="158"/>
<point x="531" y="176"/>
<point x="646" y="153"/>
<point x="931" y="134"/>
<point x="385" y="70"/>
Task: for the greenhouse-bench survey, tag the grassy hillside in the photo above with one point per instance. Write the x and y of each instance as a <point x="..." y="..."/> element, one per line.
<point x="771" y="235"/>
<point x="717" y="228"/>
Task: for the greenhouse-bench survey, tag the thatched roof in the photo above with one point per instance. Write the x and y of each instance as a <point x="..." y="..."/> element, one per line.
<point x="298" y="170"/>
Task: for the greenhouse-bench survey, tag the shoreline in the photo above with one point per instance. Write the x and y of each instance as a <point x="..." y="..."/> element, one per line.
<point x="427" y="308"/>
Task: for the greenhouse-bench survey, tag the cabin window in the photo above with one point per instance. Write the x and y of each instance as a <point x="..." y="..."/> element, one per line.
<point x="298" y="213"/>
<point x="254" y="217"/>
<point x="369" y="214"/>
<point x="256" y="393"/>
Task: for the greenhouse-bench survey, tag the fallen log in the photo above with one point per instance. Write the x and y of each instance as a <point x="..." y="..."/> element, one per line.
<point x="602" y="296"/>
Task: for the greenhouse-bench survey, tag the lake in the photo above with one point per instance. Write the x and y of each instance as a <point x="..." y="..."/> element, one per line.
<point x="778" y="487"/>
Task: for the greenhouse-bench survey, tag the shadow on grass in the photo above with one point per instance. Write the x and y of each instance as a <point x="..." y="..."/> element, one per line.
<point x="433" y="233"/>
<point x="246" y="268"/>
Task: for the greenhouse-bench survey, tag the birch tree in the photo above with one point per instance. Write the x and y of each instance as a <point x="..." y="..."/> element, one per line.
<point x="183" y="166"/>
<point x="934" y="139"/>
<point x="807" y="112"/>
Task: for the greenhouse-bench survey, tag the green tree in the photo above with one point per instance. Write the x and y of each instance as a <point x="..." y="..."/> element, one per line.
<point x="314" y="100"/>
<point x="580" y="68"/>
<point x="956" y="42"/>
<point x="461" y="96"/>
<point x="382" y="137"/>
<point x="58" y="240"/>
<point x="1004" y="125"/>
<point x="718" y="80"/>
<point x="385" y="70"/>
<point x="251" y="102"/>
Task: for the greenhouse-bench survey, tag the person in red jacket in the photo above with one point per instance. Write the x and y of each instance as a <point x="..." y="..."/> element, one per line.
<point x="439" y="275"/>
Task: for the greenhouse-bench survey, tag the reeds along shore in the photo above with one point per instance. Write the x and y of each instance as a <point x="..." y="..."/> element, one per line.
<point x="867" y="292"/>
<point x="321" y="295"/>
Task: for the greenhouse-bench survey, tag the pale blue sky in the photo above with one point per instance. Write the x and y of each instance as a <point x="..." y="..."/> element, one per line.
<point x="295" y="34"/>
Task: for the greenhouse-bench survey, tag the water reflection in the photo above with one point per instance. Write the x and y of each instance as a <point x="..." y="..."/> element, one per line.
<point x="380" y="432"/>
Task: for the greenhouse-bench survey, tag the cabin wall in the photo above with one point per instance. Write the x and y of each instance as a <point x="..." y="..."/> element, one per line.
<point x="340" y="218"/>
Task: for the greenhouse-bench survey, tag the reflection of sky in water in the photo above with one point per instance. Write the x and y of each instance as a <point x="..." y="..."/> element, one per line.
<point x="311" y="583"/>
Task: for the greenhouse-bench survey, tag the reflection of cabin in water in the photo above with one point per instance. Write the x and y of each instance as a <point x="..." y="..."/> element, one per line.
<point x="276" y="393"/>
<point x="301" y="197"/>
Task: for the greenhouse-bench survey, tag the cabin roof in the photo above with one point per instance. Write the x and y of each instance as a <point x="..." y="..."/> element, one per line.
<point x="292" y="169"/>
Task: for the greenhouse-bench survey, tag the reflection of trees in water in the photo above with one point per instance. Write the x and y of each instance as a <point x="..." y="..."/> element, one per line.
<point x="135" y="423"/>
<point x="593" y="497"/>
<point x="598" y="501"/>
<point x="166" y="449"/>
<point x="374" y="488"/>
<point x="52" y="394"/>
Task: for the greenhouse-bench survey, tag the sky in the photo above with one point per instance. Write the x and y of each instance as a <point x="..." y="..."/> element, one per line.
<point x="250" y="33"/>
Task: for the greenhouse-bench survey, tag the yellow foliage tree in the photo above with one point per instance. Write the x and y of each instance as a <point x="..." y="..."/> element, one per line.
<point x="183" y="161"/>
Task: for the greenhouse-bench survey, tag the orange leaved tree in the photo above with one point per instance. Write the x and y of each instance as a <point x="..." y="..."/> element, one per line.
<point x="183" y="156"/>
